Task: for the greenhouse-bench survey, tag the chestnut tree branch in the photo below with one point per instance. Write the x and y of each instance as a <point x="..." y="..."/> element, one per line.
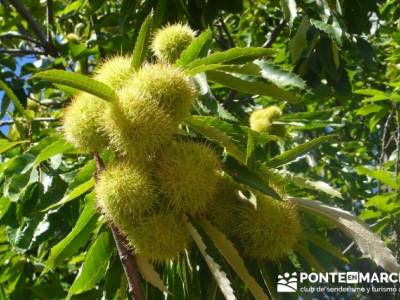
<point x="125" y="254"/>
<point x="22" y="52"/>
<point x="35" y="26"/>
<point x="274" y="34"/>
<point x="19" y="36"/>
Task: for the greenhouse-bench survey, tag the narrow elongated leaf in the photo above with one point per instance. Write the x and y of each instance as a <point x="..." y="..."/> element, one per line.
<point x="250" y="87"/>
<point x="324" y="244"/>
<point x="17" y="104"/>
<point x="299" y="150"/>
<point x="299" y="42"/>
<point x="74" y="193"/>
<point x="159" y="12"/>
<point x="307" y="116"/>
<point x="289" y="9"/>
<point x="250" y="150"/>
<point x="306" y="183"/>
<point x="6" y="145"/>
<point x="55" y="148"/>
<point x="78" y="81"/>
<point x="311" y="260"/>
<point x="217" y="135"/>
<point x="149" y="274"/>
<point x="77" y="238"/>
<point x="279" y="76"/>
<point x="228" y="251"/>
<point x="231" y="55"/>
<point x="204" y="68"/>
<point x="94" y="267"/>
<point x="215" y="269"/>
<point x="333" y="30"/>
<point x="142" y="43"/>
<point x="196" y="49"/>
<point x="368" y="242"/>
<point x="257" y="180"/>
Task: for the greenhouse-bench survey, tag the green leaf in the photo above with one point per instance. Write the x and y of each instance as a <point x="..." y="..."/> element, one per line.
<point x="371" y="92"/>
<point x="289" y="9"/>
<point x="204" y="68"/>
<point x="202" y="126"/>
<point x="299" y="150"/>
<point x="250" y="87"/>
<point x="142" y="43"/>
<point x="215" y="269"/>
<point x="368" y="242"/>
<point x="236" y="133"/>
<point x="17" y="104"/>
<point x="250" y="150"/>
<point x="308" y="116"/>
<point x="385" y="202"/>
<point x="198" y="48"/>
<point x="78" y="81"/>
<point x="299" y="42"/>
<point x="55" y="148"/>
<point x="306" y="183"/>
<point x="308" y="257"/>
<point x="74" y="193"/>
<point x="254" y="179"/>
<point x="231" y="55"/>
<point x="280" y="77"/>
<point x="6" y="145"/>
<point x="77" y="238"/>
<point x="369" y="109"/>
<point x="5" y="203"/>
<point x="94" y="267"/>
<point x="159" y="12"/>
<point x="84" y="174"/>
<point x="324" y="244"/>
<point x="333" y="30"/>
<point x="149" y="273"/>
<point x="228" y="251"/>
<point x="383" y="176"/>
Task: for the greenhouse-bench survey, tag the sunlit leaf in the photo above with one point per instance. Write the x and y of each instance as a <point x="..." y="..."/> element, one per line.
<point x="78" y="81"/>
<point x="228" y="251"/>
<point x="142" y="43"/>
<point x="95" y="265"/>
<point x="368" y="242"/>
<point x="198" y="48"/>
<point x="74" y="193"/>
<point x="76" y="239"/>
<point x="299" y="150"/>
<point x="17" y="103"/>
<point x="231" y="55"/>
<point x="149" y="273"/>
<point x="219" y="275"/>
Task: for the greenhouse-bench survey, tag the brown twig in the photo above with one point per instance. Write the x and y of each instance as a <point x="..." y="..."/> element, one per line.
<point x="384" y="145"/>
<point x="35" y="26"/>
<point x="397" y="139"/>
<point x="125" y="254"/>
<point x="93" y="21"/>
<point x="50" y="19"/>
<point x="274" y="34"/>
<point x="226" y="31"/>
<point x="22" y="52"/>
<point x="19" y="36"/>
<point x="10" y="122"/>
<point x="397" y="171"/>
<point x="129" y="264"/>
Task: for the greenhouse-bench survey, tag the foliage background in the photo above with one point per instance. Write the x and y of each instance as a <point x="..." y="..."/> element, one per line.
<point x="344" y="59"/>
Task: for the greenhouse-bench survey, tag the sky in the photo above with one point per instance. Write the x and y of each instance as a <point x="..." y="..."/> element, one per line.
<point x="20" y="62"/>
